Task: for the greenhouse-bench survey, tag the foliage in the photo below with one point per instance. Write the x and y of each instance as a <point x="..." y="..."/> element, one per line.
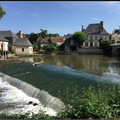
<point x="54" y="44"/>
<point x="118" y="41"/>
<point x="112" y="42"/>
<point x="50" y="48"/>
<point x="61" y="47"/>
<point x="80" y="37"/>
<point x="93" y="103"/>
<point x="2" y="12"/>
<point x="35" y="47"/>
<point x="12" y="52"/>
<point x="105" y="45"/>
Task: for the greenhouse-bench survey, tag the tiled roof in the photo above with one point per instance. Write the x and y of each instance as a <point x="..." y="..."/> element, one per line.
<point x="8" y="34"/>
<point x="54" y="39"/>
<point x="94" y="29"/>
<point x="57" y="39"/>
<point x="3" y="39"/>
<point x="45" y="40"/>
<point x="22" y="42"/>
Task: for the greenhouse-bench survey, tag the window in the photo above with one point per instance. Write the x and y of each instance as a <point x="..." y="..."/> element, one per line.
<point x="87" y="37"/>
<point x="91" y="37"/>
<point x="86" y="43"/>
<point x="22" y="49"/>
<point x="96" y="37"/>
<point x="72" y="42"/>
<point x="95" y="44"/>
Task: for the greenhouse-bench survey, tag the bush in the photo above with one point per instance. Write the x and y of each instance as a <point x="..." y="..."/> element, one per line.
<point x="105" y="45"/>
<point x="50" y="48"/>
<point x="35" y="47"/>
<point x="118" y="41"/>
<point x="94" y="103"/>
<point x="12" y="52"/>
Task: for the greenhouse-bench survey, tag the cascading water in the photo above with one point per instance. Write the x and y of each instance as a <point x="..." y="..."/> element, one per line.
<point x="45" y="98"/>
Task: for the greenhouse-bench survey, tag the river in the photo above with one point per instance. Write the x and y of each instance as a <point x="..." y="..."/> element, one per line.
<point x="55" y="74"/>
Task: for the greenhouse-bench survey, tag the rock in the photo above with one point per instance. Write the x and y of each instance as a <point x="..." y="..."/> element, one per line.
<point x="35" y="104"/>
<point x="30" y="102"/>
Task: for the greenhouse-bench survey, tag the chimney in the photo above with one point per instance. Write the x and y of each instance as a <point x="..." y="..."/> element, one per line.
<point x="101" y="27"/>
<point x="20" y="34"/>
<point x="82" y="28"/>
<point x="37" y="34"/>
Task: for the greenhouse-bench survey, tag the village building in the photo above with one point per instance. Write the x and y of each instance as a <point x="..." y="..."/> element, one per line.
<point x="95" y="33"/>
<point x="71" y="45"/>
<point x="3" y="44"/>
<point x="116" y="35"/>
<point x="49" y="40"/>
<point x="18" y="45"/>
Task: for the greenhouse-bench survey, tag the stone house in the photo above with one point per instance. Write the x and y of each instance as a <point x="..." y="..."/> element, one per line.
<point x="49" y="40"/>
<point x="3" y="44"/>
<point x="116" y="35"/>
<point x="95" y="33"/>
<point x="18" y="45"/>
<point x="71" y="45"/>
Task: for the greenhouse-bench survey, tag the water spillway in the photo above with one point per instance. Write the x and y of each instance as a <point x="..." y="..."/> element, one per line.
<point x="45" y="98"/>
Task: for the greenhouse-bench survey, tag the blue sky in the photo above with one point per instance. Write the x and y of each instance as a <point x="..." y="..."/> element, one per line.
<point x="60" y="17"/>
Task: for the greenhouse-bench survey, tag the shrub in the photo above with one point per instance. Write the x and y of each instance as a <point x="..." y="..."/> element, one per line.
<point x="12" y="52"/>
<point x="35" y="47"/>
<point x="50" y="48"/>
<point x="118" y="41"/>
<point x="105" y="45"/>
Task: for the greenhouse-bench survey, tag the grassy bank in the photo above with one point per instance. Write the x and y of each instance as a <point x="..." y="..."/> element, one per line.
<point x="94" y="103"/>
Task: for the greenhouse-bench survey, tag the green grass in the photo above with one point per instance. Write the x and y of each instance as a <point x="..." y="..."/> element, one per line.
<point x="94" y="103"/>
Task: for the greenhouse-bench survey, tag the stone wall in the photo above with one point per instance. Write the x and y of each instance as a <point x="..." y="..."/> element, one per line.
<point x="10" y="61"/>
<point x="96" y="51"/>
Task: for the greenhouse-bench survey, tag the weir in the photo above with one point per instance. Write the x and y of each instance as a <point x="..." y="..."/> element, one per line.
<point x="44" y="97"/>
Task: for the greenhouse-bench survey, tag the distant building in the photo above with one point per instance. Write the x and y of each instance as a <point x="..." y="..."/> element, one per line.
<point x="116" y="35"/>
<point x="3" y="44"/>
<point x="95" y="33"/>
<point x="18" y="45"/>
<point x="49" y="40"/>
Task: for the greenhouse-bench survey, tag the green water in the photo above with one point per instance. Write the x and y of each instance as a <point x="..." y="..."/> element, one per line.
<point x="61" y="71"/>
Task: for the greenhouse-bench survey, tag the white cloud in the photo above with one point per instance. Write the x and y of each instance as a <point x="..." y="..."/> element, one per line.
<point x="110" y="2"/>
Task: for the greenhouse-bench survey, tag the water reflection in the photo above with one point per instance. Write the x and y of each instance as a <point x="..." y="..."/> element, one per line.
<point x="92" y="64"/>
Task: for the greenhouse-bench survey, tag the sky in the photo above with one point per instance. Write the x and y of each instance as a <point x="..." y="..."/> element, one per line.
<point x="60" y="17"/>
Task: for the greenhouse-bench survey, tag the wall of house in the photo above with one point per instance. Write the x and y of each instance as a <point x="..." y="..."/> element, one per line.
<point x="114" y="37"/>
<point x="94" y="39"/>
<point x="90" y="51"/>
<point x="5" y="45"/>
<point x="59" y="43"/>
<point x="18" y="50"/>
<point x="47" y="44"/>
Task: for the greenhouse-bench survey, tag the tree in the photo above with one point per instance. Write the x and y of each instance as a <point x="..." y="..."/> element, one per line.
<point x="105" y="45"/>
<point x="32" y="33"/>
<point x="80" y="37"/>
<point x="2" y="12"/>
<point x="55" y="35"/>
<point x="35" y="47"/>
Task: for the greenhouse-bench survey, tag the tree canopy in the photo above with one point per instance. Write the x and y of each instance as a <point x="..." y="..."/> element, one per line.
<point x="80" y="37"/>
<point x="2" y="12"/>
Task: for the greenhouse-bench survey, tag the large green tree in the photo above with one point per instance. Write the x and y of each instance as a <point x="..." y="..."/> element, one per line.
<point x="2" y="12"/>
<point x="80" y="37"/>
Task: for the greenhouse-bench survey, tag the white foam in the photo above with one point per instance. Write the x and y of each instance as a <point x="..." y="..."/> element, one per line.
<point x="11" y="94"/>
